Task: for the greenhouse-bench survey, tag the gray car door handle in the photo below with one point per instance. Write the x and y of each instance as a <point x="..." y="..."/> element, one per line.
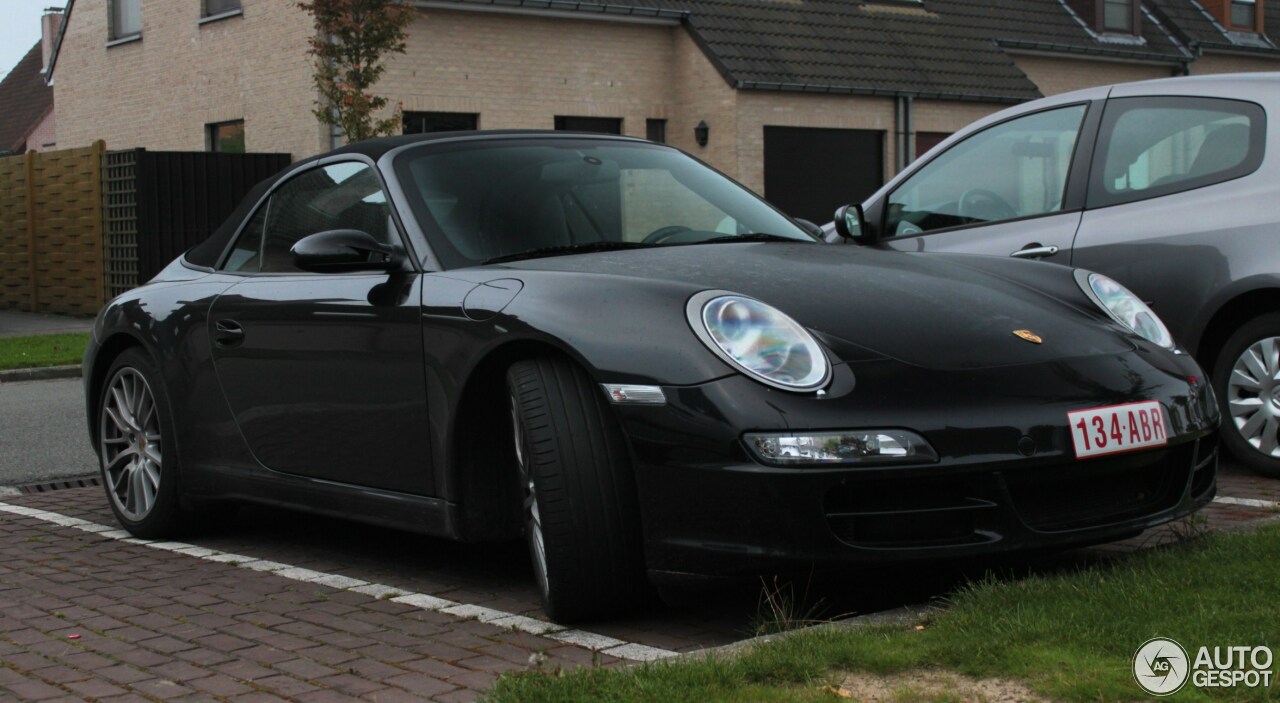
<point x="1034" y="252"/>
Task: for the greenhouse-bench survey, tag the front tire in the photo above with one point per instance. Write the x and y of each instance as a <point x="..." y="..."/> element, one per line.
<point x="1246" y="379"/>
<point x="581" y="514"/>
<point x="136" y="452"/>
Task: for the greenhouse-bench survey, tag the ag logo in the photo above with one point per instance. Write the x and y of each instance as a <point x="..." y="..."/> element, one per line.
<point x="1160" y="666"/>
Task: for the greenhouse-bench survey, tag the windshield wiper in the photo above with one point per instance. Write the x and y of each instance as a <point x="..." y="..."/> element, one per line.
<point x="584" y="248"/>
<point x="750" y="237"/>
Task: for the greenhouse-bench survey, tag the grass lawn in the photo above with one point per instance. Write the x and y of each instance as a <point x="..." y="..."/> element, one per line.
<point x="1066" y="637"/>
<point x="42" y="350"/>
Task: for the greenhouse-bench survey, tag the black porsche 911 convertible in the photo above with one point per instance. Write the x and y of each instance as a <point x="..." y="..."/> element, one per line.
<point x="610" y="347"/>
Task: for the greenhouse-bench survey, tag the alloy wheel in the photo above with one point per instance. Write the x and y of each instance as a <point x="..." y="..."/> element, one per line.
<point x="1253" y="395"/>
<point x="529" y="493"/>
<point x="130" y="444"/>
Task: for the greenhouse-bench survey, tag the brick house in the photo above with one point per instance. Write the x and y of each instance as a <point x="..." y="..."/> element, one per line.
<point x="842" y="93"/>
<point x="26" y="101"/>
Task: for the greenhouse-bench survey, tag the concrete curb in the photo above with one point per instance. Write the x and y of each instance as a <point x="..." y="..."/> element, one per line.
<point x="906" y="615"/>
<point x="40" y="374"/>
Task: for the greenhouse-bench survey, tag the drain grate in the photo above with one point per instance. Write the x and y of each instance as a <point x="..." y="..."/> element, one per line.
<point x="83" y="482"/>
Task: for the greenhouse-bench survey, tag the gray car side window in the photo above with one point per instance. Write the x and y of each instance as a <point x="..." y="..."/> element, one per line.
<point x="1154" y="146"/>
<point x="1013" y="170"/>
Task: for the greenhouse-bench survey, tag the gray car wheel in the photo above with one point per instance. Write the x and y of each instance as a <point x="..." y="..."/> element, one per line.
<point x="137" y="453"/>
<point x="1247" y="382"/>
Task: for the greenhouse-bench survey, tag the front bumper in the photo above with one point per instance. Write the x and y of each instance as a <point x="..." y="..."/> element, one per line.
<point x="709" y="509"/>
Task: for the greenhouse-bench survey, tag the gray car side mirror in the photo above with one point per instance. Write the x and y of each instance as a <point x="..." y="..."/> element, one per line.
<point x="848" y="222"/>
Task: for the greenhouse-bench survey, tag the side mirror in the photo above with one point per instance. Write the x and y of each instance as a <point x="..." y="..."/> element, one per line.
<point x="848" y="222"/>
<point x="342" y="250"/>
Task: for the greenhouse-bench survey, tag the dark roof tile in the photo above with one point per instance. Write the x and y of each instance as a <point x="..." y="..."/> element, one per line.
<point x="24" y="101"/>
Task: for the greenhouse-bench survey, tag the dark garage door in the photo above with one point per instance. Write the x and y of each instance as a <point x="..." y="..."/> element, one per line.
<point x="810" y="172"/>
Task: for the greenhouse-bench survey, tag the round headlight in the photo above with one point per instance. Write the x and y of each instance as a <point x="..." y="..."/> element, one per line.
<point x="759" y="340"/>
<point x="1125" y="307"/>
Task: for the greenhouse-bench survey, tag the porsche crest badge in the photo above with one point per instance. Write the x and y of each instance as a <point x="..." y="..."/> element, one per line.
<point x="1029" y="336"/>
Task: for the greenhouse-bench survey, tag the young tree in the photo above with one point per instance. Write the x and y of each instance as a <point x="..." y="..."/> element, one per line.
<point x="352" y="39"/>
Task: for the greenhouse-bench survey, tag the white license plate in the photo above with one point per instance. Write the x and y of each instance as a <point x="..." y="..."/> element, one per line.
<point x="1117" y="428"/>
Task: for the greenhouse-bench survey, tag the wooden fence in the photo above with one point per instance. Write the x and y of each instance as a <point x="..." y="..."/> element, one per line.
<point x="51" y="257"/>
<point x="79" y="226"/>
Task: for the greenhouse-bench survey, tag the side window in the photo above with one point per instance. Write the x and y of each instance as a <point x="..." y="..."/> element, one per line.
<point x="1015" y="169"/>
<point x="246" y="257"/>
<point x="1157" y="146"/>
<point x="338" y="196"/>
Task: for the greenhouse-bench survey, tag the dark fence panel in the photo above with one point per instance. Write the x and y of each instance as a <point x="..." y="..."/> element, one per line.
<point x="184" y="196"/>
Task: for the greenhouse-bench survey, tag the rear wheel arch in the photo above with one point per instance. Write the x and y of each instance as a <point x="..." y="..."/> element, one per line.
<point x="110" y="350"/>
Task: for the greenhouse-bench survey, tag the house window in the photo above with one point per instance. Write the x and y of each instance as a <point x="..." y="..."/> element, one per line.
<point x="220" y="7"/>
<point x="656" y="131"/>
<point x="425" y="122"/>
<point x="227" y="137"/>
<point x="604" y="125"/>
<point x="1244" y="15"/>
<point x="1117" y="16"/>
<point x="124" y="19"/>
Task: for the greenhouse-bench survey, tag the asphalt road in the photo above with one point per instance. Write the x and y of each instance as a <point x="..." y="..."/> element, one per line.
<point x="42" y="432"/>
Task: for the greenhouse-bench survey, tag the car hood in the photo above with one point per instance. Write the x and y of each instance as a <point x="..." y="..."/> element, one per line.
<point x="929" y="310"/>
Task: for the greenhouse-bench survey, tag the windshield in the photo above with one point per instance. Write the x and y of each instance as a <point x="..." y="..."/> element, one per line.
<point x="483" y="200"/>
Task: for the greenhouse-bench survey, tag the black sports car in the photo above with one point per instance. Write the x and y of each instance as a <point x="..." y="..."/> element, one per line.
<point x="611" y="347"/>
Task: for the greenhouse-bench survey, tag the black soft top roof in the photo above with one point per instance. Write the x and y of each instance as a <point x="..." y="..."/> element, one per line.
<point x="207" y="253"/>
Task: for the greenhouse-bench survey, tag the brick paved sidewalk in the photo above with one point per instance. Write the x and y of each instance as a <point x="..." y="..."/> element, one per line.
<point x="85" y="616"/>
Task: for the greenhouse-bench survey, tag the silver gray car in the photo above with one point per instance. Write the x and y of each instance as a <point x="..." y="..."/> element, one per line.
<point x="1167" y="186"/>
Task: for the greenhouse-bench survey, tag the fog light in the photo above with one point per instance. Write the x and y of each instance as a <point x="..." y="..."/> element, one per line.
<point x="860" y="447"/>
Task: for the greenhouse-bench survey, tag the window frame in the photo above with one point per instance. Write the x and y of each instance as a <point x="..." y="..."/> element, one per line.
<point x="211" y="132"/>
<point x="562" y="124"/>
<point x="114" y="36"/>
<point x="415" y="113"/>
<point x="206" y="16"/>
<point x="656" y="126"/>
<point x="1230" y="13"/>
<point x="1074" y="185"/>
<point x="265" y="202"/>
<point x="1099" y="197"/>
<point x="1134" y="14"/>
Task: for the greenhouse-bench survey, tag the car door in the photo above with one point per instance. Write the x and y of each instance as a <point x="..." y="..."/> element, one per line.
<point x="324" y="372"/>
<point x="1011" y="189"/>
<point x="1173" y="212"/>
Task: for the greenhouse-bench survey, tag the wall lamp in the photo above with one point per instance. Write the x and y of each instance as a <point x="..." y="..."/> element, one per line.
<point x="701" y="133"/>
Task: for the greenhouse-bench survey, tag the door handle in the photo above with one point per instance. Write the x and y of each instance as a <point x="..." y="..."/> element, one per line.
<point x="1034" y="251"/>
<point x="228" y="333"/>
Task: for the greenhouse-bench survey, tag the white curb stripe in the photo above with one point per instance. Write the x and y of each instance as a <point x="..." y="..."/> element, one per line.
<point x="498" y="618"/>
<point x="1248" y="502"/>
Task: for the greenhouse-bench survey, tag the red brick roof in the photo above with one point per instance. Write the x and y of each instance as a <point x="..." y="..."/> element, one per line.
<point x="25" y="99"/>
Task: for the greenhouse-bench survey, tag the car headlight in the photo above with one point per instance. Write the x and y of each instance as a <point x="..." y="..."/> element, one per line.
<point x="759" y="340"/>
<point x="1125" y="307"/>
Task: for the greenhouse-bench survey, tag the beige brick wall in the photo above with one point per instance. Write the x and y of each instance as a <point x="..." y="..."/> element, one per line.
<point x="1218" y="63"/>
<point x="45" y="135"/>
<point x="160" y="92"/>
<point x="1053" y="75"/>
<point x="519" y="72"/>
